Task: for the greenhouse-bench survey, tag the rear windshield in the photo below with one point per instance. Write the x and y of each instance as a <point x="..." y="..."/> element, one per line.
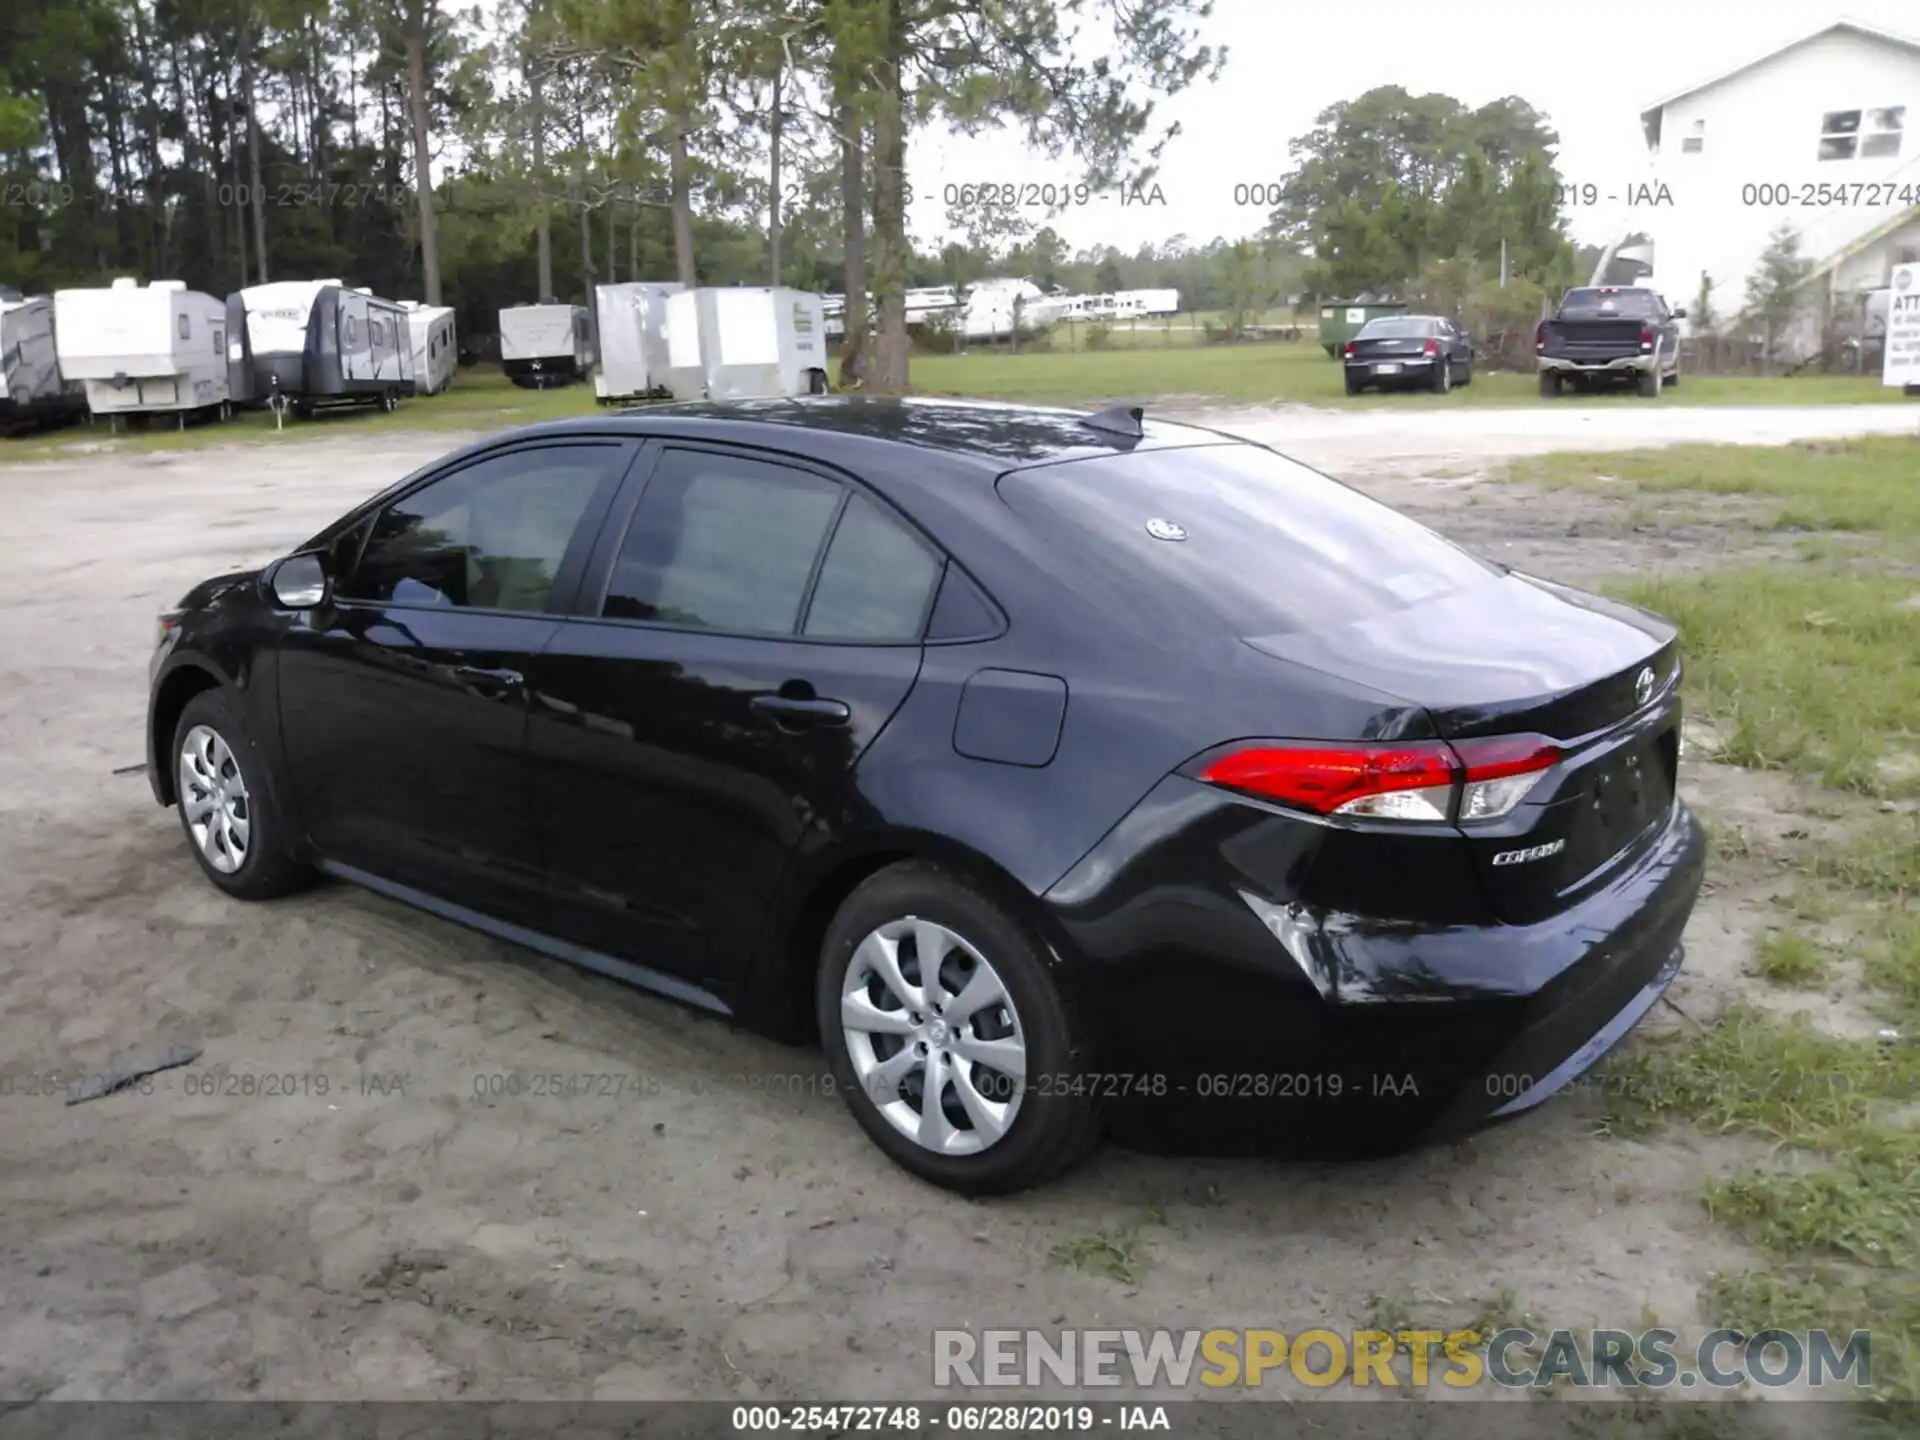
<point x="1270" y="546"/>
<point x="1397" y="328"/>
<point x="1605" y="304"/>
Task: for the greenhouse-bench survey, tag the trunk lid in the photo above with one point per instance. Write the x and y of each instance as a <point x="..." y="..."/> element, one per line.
<point x="1593" y="339"/>
<point x="1536" y="659"/>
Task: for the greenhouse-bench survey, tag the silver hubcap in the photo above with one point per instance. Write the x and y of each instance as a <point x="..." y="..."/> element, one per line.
<point x="933" y="1036"/>
<point x="213" y="798"/>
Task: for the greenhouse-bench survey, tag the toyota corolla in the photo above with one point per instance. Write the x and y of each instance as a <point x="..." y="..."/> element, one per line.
<point x="1061" y="774"/>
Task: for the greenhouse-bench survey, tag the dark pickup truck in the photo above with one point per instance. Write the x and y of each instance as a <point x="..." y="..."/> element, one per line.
<point x="1605" y="334"/>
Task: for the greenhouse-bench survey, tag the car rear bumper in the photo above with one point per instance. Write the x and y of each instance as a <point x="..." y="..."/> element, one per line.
<point x="1419" y="366"/>
<point x="1229" y="1022"/>
<point x="1617" y="365"/>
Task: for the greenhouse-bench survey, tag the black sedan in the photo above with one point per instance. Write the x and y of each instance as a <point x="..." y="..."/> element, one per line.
<point x="1398" y="351"/>
<point x="1061" y="774"/>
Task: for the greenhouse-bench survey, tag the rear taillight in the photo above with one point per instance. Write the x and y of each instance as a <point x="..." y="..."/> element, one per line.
<point x="1347" y="352"/>
<point x="1422" y="781"/>
<point x="1500" y="772"/>
<point x="164" y="625"/>
<point x="1646" y="337"/>
<point x="1540" y="336"/>
<point x="1432" y="347"/>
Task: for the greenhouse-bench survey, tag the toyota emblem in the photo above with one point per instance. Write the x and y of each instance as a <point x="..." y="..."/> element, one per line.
<point x="1643" y="686"/>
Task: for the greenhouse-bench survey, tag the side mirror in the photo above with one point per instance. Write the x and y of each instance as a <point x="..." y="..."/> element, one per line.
<point x="1680" y="314"/>
<point x="299" y="582"/>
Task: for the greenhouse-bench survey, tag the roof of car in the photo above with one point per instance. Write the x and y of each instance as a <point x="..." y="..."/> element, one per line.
<point x="999" y="435"/>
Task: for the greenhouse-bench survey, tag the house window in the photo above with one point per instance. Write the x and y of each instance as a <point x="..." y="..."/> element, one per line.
<point x="1882" y="137"/>
<point x="1691" y="144"/>
<point x="1839" y="134"/>
<point x="184" y="327"/>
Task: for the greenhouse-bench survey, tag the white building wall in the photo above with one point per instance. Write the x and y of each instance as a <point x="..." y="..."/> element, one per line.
<point x="1760" y="130"/>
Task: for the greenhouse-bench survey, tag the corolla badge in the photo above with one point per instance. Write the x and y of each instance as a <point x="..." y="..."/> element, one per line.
<point x="1643" y="686"/>
<point x="1532" y="852"/>
<point x="1166" y="530"/>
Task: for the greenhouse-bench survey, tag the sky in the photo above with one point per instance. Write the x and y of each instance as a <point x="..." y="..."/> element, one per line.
<point x="1289" y="60"/>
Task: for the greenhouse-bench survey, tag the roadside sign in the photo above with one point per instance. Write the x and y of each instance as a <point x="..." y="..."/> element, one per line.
<point x="1903" y="328"/>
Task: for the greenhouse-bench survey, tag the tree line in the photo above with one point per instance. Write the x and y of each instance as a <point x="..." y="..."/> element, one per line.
<point x="565" y="143"/>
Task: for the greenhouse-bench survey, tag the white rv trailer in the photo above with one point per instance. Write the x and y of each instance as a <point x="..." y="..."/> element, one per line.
<point x="432" y="344"/>
<point x="1147" y="302"/>
<point x="545" y="344"/>
<point x="748" y="342"/>
<point x="32" y="391"/>
<point x="631" y="319"/>
<point x="153" y="349"/>
<point x="994" y="307"/>
<point x="313" y="343"/>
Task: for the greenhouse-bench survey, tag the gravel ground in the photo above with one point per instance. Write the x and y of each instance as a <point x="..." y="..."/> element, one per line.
<point x="721" y="1229"/>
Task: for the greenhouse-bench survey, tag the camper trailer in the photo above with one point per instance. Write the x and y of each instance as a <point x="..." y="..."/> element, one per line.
<point x="433" y="344"/>
<point x="157" y="349"/>
<point x="314" y="343"/>
<point x="994" y="306"/>
<point x="749" y="342"/>
<point x="631" y="319"/>
<point x="545" y="344"/>
<point x="32" y="391"/>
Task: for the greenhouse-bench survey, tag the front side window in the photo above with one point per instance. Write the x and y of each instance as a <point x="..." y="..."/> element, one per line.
<point x="720" y="542"/>
<point x="491" y="535"/>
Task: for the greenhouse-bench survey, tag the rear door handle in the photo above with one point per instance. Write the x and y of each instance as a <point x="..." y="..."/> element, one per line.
<point x="485" y="679"/>
<point x="789" y="711"/>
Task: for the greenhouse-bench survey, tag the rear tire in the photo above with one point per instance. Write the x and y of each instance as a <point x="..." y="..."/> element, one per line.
<point x="816" y="382"/>
<point x="228" y="811"/>
<point x="1648" y="383"/>
<point x="983" y="951"/>
<point x="1442" y="381"/>
<point x="1354" y="387"/>
<point x="1550" y="386"/>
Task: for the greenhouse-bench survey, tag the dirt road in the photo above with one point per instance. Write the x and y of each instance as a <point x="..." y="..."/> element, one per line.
<point x="367" y="1208"/>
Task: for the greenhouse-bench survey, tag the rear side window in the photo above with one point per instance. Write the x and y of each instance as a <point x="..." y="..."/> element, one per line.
<point x="876" y="582"/>
<point x="1602" y="305"/>
<point x="720" y="542"/>
<point x="1269" y="546"/>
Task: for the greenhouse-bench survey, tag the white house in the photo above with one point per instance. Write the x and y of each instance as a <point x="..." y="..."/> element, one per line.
<point x="1822" y="134"/>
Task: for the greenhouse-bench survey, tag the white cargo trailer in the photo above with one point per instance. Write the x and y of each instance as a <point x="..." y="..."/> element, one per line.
<point x="32" y="391"/>
<point x="749" y="342"/>
<point x="157" y="349"/>
<point x="434" y="346"/>
<point x="314" y="343"/>
<point x="545" y="345"/>
<point x="631" y="319"/>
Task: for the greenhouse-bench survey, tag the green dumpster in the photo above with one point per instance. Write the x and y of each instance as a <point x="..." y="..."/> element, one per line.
<point x="1340" y="320"/>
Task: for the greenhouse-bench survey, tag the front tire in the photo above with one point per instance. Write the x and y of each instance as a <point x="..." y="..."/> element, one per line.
<point x="924" y="978"/>
<point x="227" y="807"/>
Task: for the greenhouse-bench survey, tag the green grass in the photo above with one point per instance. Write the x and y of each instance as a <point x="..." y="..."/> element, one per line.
<point x="1807" y="669"/>
<point x="1810" y="664"/>
<point x="1283" y="372"/>
<point x="1871" y="485"/>
<point x="1116" y="1256"/>
<point x="1140" y="367"/>
<point x="1790" y="960"/>
<point x="1842" y="1224"/>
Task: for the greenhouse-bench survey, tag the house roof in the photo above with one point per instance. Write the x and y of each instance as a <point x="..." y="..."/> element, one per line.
<point x="1872" y="32"/>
